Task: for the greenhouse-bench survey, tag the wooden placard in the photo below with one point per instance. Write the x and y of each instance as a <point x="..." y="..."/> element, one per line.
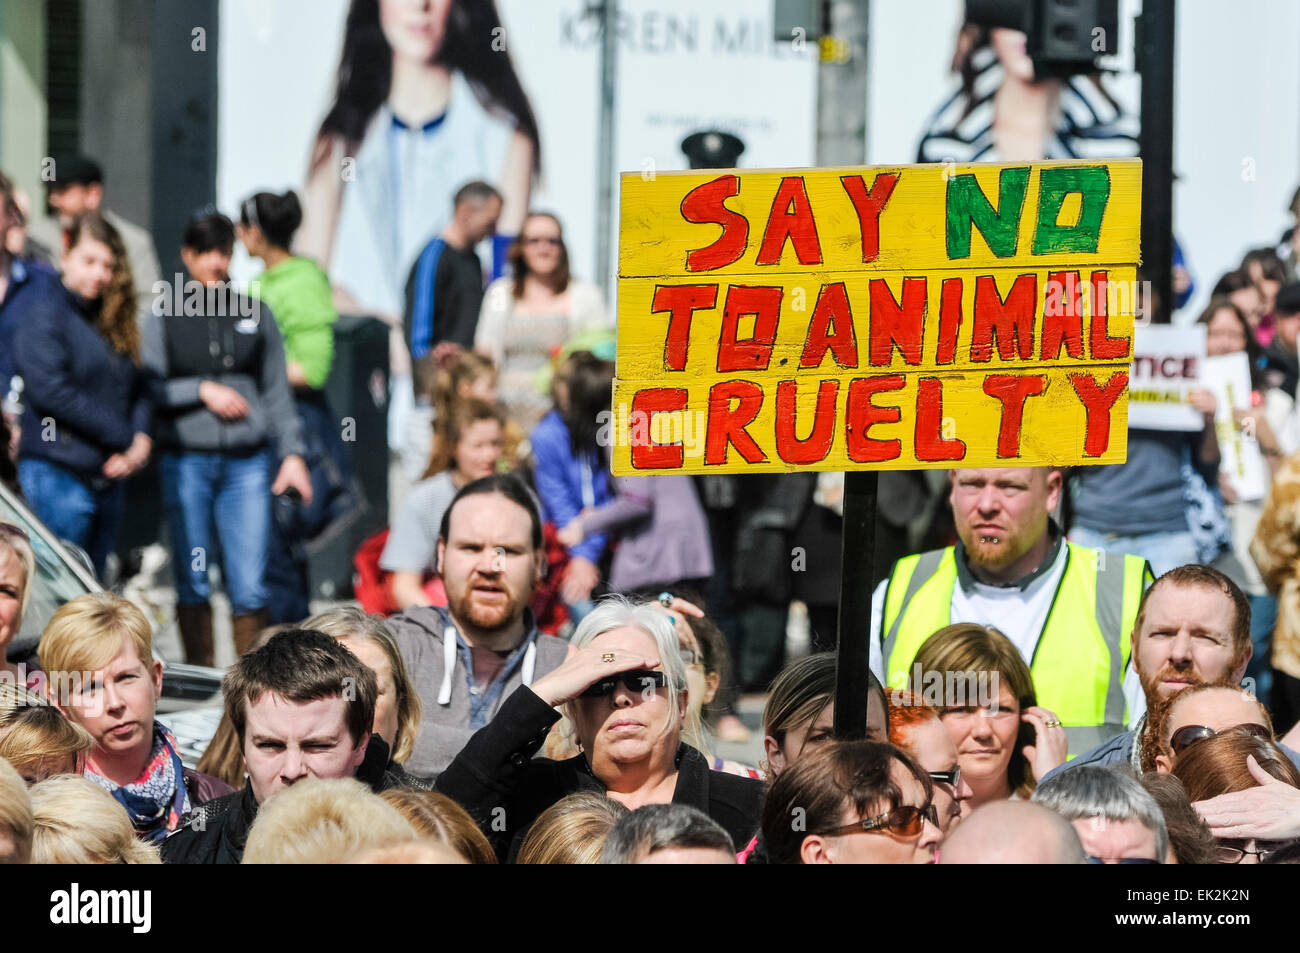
<point x="892" y="318"/>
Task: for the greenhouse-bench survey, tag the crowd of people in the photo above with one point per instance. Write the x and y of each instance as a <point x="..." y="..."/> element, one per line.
<point x="463" y="734"/>
<point x="1100" y="665"/>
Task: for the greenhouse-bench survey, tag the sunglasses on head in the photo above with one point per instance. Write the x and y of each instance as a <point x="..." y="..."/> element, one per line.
<point x="636" y="680"/>
<point x="1190" y="734"/>
<point x="905" y="821"/>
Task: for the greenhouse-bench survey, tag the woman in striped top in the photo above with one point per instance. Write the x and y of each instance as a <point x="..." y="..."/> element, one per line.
<point x="1002" y="113"/>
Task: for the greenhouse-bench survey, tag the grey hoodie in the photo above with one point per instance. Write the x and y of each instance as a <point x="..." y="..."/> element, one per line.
<point x="445" y="694"/>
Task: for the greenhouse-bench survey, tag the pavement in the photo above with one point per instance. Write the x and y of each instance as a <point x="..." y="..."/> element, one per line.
<point x="750" y="710"/>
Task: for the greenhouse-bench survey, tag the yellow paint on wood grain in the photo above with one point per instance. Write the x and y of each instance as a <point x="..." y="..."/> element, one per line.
<point x="811" y="307"/>
<point x="948" y="417"/>
<point x="896" y="317"/>
<point x="655" y="238"/>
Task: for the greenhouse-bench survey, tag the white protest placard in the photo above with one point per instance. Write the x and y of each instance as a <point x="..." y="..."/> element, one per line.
<point x="1241" y="463"/>
<point x="1166" y="368"/>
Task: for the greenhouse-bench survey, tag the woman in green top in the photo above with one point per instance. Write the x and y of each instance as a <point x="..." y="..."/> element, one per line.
<point x="294" y="288"/>
<point x="297" y="292"/>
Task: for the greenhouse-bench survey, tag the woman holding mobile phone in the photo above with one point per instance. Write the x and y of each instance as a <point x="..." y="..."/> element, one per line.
<point x="1005" y="742"/>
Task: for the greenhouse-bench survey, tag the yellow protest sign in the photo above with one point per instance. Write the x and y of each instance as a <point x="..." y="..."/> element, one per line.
<point x="880" y="318"/>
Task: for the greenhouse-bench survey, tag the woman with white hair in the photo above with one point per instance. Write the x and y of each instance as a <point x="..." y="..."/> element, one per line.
<point x="624" y="690"/>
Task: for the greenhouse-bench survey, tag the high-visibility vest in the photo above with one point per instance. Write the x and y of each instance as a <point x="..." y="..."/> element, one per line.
<point x="1082" y="653"/>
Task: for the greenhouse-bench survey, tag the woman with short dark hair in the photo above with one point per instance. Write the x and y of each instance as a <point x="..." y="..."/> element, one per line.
<point x="225" y="412"/>
<point x="852" y="802"/>
<point x="298" y="294"/>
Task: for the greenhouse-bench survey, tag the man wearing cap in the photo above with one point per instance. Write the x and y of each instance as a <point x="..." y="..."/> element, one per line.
<point x="77" y="186"/>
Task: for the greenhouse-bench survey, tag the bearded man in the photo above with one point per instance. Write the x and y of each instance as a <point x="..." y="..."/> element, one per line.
<point x="1193" y="626"/>
<point x="1068" y="609"/>
<point x="466" y="659"/>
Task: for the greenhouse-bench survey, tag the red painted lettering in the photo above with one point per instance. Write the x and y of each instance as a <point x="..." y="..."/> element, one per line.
<point x="656" y="400"/>
<point x="949" y="320"/>
<point x="1063" y="315"/>
<point x="705" y="205"/>
<point x="1104" y="347"/>
<point x="869" y="205"/>
<point x="831" y="328"/>
<point x="860" y="414"/>
<point x="1097" y="401"/>
<point x="682" y="301"/>
<point x="1010" y="320"/>
<point x="814" y="448"/>
<point x="1012" y="390"/>
<point x="894" y="325"/>
<point x="726" y="426"/>
<point x="930" y="442"/>
<point x="790" y="218"/>
<point x="748" y="354"/>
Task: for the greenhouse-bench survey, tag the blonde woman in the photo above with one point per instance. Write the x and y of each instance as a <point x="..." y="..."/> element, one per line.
<point x="17" y="568"/>
<point x="15" y="817"/>
<point x="571" y="831"/>
<point x="97" y="652"/>
<point x="324" y="821"/>
<point x="78" y="822"/>
<point x="36" y="738"/>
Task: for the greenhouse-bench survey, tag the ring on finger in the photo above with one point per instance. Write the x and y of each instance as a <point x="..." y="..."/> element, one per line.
<point x="607" y="657"/>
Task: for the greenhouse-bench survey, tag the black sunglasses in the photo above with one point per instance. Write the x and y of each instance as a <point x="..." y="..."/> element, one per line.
<point x="636" y="680"/>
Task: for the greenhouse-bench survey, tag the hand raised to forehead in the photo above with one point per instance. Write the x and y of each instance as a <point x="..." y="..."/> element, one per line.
<point x="585" y="667"/>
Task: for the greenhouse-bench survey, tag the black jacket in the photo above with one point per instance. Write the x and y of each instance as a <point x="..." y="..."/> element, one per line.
<point x="97" y="398"/>
<point x="497" y="780"/>
<point x="215" y="832"/>
<point x="234" y="341"/>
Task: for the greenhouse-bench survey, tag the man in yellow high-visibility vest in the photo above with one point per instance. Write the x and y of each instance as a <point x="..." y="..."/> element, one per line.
<point x="1068" y="609"/>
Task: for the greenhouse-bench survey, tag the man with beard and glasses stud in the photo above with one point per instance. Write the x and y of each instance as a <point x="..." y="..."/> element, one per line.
<point x="466" y="659"/>
<point x="1068" y="609"/>
<point x="1193" y="626"/>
